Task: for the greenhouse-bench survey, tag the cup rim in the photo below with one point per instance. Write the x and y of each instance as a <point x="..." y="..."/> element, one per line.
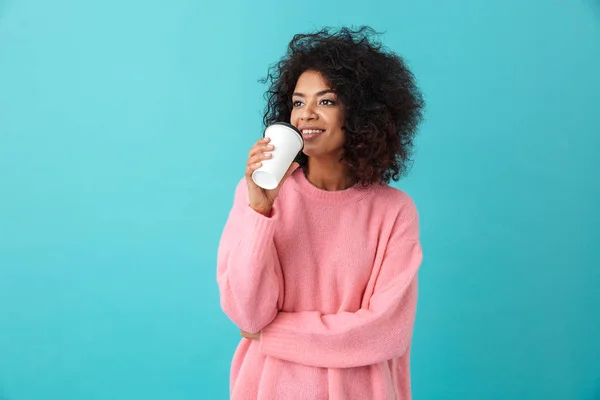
<point x="288" y="125"/>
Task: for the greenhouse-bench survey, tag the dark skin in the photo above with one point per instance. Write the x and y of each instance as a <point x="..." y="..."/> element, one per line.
<point x="251" y="336"/>
<point x="261" y="200"/>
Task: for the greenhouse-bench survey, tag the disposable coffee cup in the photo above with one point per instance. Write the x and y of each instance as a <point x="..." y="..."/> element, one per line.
<point x="287" y="142"/>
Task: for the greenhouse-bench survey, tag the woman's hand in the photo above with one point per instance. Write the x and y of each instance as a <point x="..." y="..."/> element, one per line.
<point x="251" y="336"/>
<point x="262" y="200"/>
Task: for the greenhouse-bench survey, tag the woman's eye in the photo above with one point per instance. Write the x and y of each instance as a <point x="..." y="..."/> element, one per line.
<point x="296" y="103"/>
<point x="327" y="102"/>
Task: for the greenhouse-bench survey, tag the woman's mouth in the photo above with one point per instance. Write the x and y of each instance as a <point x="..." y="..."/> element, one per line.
<point x="310" y="134"/>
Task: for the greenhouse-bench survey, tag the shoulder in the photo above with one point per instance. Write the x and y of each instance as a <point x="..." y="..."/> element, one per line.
<point x="400" y="209"/>
<point x="395" y="200"/>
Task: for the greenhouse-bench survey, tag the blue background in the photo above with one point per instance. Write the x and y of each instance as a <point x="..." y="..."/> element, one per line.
<point x="124" y="127"/>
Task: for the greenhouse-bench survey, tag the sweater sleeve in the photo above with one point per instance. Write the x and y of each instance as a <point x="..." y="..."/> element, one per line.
<point x="379" y="331"/>
<point x="248" y="271"/>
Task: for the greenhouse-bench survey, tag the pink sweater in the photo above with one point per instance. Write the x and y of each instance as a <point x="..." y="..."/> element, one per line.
<point x="330" y="281"/>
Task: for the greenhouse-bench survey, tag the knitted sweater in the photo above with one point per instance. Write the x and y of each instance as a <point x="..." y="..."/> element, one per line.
<point x="330" y="281"/>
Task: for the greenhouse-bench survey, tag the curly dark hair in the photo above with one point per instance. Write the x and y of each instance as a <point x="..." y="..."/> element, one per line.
<point x="382" y="104"/>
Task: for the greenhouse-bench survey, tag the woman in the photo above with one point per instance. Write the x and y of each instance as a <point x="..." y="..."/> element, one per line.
<point x="320" y="274"/>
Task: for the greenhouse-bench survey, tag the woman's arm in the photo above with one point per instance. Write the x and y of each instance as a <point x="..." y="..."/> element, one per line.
<point x="380" y="331"/>
<point x="248" y="271"/>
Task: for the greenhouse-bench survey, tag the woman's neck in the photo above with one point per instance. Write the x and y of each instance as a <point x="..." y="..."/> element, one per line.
<point x="327" y="174"/>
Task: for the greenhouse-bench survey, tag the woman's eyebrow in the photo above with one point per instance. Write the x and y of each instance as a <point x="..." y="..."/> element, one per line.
<point x="321" y="93"/>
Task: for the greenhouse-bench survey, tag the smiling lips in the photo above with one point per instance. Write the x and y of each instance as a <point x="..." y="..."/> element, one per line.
<point x="311" y="133"/>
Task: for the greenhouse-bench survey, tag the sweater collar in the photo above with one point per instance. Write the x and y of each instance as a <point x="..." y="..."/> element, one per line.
<point x="305" y="188"/>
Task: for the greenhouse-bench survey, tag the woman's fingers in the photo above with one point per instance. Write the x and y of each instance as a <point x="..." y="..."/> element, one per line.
<point x="258" y="158"/>
<point x="261" y="146"/>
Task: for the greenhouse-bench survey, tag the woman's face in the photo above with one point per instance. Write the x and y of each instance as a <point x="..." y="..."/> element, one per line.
<point x="318" y="114"/>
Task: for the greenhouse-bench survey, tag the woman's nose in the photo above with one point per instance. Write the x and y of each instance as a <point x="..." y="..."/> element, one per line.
<point x="308" y="113"/>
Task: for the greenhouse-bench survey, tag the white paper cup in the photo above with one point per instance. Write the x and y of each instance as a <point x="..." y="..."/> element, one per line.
<point x="287" y="142"/>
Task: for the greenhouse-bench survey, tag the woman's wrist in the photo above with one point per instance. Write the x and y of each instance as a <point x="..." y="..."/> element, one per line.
<point x="264" y="211"/>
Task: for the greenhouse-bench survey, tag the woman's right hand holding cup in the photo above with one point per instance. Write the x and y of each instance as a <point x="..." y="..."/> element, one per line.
<point x="261" y="200"/>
